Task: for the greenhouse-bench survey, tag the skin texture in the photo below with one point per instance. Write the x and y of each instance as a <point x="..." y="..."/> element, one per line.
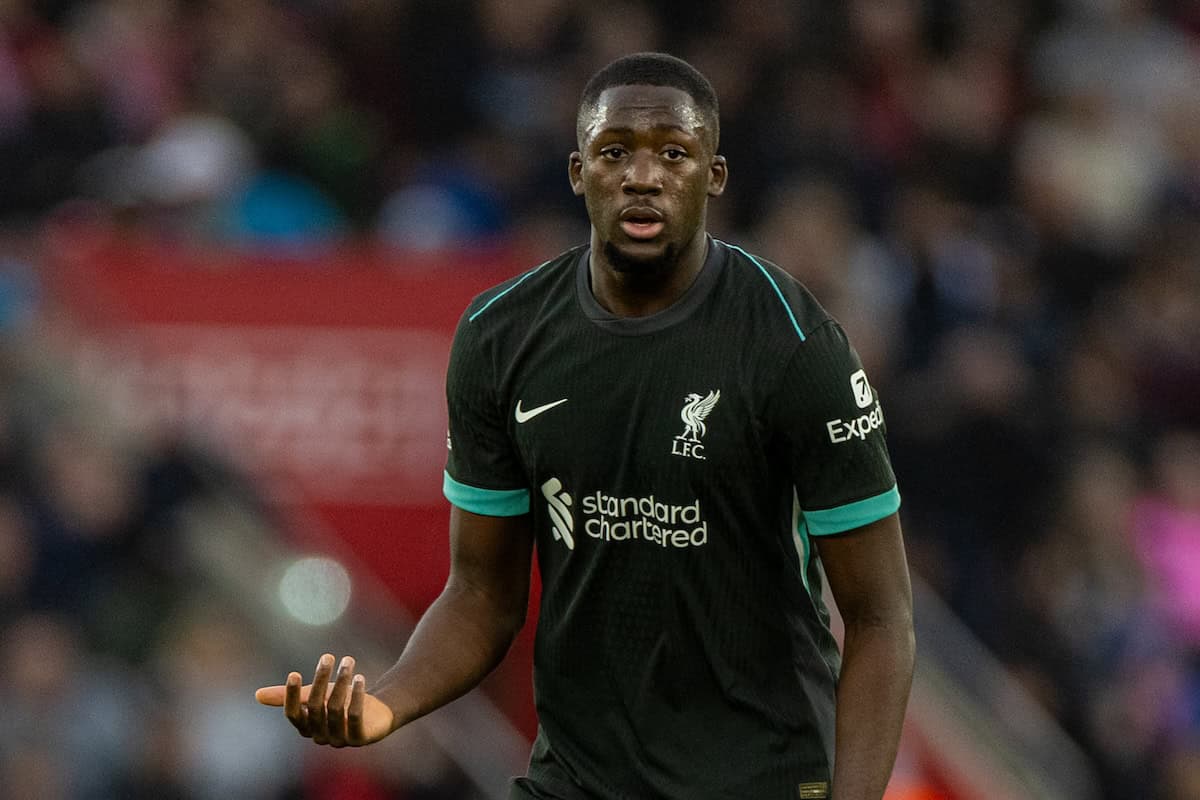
<point x="646" y="147"/>
<point x="643" y="148"/>
<point x="868" y="576"/>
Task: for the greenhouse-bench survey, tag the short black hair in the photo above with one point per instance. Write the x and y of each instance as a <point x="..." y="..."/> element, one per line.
<point x="653" y="69"/>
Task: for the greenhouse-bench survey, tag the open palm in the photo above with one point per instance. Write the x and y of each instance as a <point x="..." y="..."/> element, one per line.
<point x="338" y="713"/>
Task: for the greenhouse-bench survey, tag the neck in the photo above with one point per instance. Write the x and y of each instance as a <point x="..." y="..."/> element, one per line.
<point x="646" y="290"/>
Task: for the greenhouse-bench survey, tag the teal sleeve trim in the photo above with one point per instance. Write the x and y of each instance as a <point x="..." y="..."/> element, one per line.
<point x="852" y="515"/>
<point x="489" y="502"/>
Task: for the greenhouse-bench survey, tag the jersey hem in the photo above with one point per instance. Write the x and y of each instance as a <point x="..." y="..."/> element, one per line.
<point x="852" y="515"/>
<point x="488" y="502"/>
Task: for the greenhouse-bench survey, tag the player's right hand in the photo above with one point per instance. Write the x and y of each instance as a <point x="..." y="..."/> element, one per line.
<point x="339" y="714"/>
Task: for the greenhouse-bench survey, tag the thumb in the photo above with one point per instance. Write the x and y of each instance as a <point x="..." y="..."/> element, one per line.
<point x="271" y="695"/>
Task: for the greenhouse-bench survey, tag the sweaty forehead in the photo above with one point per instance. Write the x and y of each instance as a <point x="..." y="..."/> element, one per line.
<point x="643" y="107"/>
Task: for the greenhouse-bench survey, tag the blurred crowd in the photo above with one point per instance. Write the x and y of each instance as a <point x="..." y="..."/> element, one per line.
<point x="1000" y="201"/>
<point x="128" y="673"/>
<point x="111" y="641"/>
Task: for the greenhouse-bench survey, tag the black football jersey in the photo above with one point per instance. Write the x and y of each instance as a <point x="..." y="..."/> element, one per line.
<point x="677" y="467"/>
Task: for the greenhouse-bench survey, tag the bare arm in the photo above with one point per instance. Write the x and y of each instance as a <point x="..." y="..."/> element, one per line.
<point x="462" y="636"/>
<point x="868" y="575"/>
<point x="469" y="628"/>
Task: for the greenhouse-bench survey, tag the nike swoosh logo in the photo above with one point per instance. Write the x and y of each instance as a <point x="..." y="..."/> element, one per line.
<point x="524" y="416"/>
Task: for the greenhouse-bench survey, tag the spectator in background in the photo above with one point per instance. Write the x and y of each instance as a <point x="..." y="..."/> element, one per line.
<point x="1166" y="533"/>
<point x="17" y="554"/>
<point x="813" y="222"/>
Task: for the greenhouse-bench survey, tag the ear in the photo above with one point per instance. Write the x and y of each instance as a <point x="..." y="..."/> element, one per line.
<point x="575" y="173"/>
<point x="718" y="173"/>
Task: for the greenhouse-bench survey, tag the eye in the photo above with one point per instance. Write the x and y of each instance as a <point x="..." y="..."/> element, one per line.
<point x="612" y="152"/>
<point x="674" y="154"/>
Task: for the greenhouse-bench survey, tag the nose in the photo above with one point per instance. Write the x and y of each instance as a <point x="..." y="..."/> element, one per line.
<point x="643" y="175"/>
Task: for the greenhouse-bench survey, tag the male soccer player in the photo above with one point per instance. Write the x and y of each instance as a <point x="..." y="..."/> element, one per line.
<point x="688" y="438"/>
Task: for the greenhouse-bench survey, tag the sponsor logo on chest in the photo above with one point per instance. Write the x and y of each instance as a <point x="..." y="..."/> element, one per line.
<point x="605" y="517"/>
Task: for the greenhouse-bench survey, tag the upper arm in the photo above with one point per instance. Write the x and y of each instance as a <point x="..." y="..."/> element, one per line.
<point x="830" y="422"/>
<point x="484" y="473"/>
<point x="491" y="530"/>
<point x="490" y="556"/>
<point x="868" y="573"/>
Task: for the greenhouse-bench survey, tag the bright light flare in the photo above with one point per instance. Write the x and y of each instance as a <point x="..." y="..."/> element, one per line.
<point x="315" y="590"/>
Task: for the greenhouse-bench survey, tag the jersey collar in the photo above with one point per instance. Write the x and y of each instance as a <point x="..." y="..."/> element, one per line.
<point x="673" y="314"/>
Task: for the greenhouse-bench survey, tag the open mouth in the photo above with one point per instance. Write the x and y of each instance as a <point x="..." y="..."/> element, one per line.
<point x="642" y="223"/>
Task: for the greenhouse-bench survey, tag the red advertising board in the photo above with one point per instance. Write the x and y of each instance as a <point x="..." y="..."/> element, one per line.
<point x="322" y="377"/>
<point x="338" y="415"/>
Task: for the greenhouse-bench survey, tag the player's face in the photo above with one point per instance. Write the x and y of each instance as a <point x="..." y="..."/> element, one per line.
<point x="646" y="171"/>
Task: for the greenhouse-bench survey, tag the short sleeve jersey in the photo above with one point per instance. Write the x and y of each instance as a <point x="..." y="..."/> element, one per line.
<point x="676" y="467"/>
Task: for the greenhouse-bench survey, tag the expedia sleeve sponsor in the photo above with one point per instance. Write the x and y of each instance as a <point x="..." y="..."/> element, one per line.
<point x="844" y="430"/>
<point x="828" y="416"/>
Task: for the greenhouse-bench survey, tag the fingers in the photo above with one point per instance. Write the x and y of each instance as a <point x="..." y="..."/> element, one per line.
<point x="335" y="706"/>
<point x="316" y="700"/>
<point x="355" y="730"/>
<point x="328" y="713"/>
<point x="292" y="709"/>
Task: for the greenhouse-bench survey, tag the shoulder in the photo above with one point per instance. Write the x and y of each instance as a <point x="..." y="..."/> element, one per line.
<point x="775" y="299"/>
<point x="517" y="296"/>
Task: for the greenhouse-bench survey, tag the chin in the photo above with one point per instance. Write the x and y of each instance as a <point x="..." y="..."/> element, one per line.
<point x="623" y="261"/>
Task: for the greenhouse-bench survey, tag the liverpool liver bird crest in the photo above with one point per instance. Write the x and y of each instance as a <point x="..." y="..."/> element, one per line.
<point x="694" y="411"/>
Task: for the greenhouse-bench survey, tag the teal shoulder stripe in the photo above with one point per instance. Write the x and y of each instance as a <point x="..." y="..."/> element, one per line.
<point x="774" y="285"/>
<point x="852" y="515"/>
<point x="518" y="282"/>
<point x="489" y="502"/>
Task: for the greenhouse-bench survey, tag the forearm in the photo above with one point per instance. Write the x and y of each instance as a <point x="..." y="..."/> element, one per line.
<point x="872" y="694"/>
<point x="459" y="640"/>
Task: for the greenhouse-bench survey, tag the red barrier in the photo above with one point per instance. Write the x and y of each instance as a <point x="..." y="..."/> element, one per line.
<point x="323" y="378"/>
